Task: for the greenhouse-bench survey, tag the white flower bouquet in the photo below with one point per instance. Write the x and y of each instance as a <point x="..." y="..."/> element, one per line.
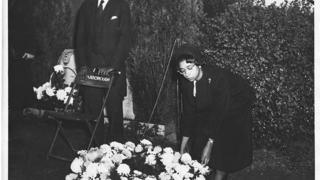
<point x="133" y="162"/>
<point x="54" y="93"/>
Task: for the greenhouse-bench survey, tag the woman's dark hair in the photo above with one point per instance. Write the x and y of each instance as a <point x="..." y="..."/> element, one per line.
<point x="189" y="52"/>
<point x="189" y="59"/>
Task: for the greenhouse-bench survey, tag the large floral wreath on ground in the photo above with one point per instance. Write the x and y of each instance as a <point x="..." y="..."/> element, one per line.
<point x="133" y="162"/>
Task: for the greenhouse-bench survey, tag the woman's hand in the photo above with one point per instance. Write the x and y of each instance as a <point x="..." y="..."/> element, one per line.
<point x="206" y="153"/>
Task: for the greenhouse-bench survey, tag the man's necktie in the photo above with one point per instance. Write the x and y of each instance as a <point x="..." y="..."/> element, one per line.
<point x="100" y="7"/>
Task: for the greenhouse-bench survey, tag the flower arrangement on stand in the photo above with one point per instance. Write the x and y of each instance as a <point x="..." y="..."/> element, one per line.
<point x="53" y="95"/>
<point x="129" y="161"/>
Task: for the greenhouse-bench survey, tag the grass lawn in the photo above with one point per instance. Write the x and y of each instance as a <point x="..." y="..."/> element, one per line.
<point x="29" y="141"/>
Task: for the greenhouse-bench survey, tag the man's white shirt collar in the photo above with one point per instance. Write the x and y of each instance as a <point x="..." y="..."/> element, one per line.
<point x="104" y="3"/>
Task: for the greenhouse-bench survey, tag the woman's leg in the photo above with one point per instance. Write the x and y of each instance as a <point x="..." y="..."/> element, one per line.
<point x="220" y="175"/>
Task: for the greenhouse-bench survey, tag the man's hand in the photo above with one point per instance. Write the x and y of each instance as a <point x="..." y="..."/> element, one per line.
<point x="105" y="71"/>
<point x="206" y="153"/>
<point x="28" y="56"/>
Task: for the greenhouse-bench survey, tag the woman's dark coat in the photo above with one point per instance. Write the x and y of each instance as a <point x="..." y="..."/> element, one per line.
<point x="221" y="110"/>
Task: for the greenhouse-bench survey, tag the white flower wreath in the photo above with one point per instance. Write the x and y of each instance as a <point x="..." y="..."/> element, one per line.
<point x="129" y="162"/>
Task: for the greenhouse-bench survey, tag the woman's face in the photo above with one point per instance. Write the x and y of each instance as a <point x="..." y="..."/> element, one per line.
<point x="188" y="70"/>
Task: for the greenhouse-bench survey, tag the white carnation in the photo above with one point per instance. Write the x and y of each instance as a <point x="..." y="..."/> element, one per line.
<point x="39" y="95"/>
<point x="146" y="142"/>
<point x="204" y="170"/>
<point x="50" y="91"/>
<point x="35" y="89"/>
<point x="92" y="155"/>
<point x="123" y="169"/>
<point x="176" y="157"/>
<point x="105" y="176"/>
<point x="169" y="167"/>
<point x="136" y="178"/>
<point x="103" y="169"/>
<point x="68" y="89"/>
<point x="92" y="170"/>
<point x="186" y="158"/>
<point x="127" y="153"/>
<point x="168" y="150"/>
<point x="182" y="169"/>
<point x="76" y="165"/>
<point x="196" y="166"/>
<point x="107" y="156"/>
<point x="130" y="145"/>
<point x="116" y="145"/>
<point x="157" y="150"/>
<point x="86" y="163"/>
<point x="177" y="177"/>
<point x="105" y="148"/>
<point x="189" y="175"/>
<point x="164" y="176"/>
<point x="118" y="158"/>
<point x="85" y="176"/>
<point x="150" y="178"/>
<point x="151" y="159"/>
<point x="138" y="148"/>
<point x="58" y="68"/>
<point x="107" y="163"/>
<point x="39" y="89"/>
<point x="136" y="172"/>
<point x="200" y="177"/>
<point x="39" y="92"/>
<point x="71" y="176"/>
<point x="46" y="85"/>
<point x="82" y="152"/>
<point x="167" y="159"/>
<point x="61" y="94"/>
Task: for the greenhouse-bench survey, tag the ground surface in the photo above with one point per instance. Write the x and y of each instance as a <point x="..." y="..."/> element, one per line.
<point x="29" y="141"/>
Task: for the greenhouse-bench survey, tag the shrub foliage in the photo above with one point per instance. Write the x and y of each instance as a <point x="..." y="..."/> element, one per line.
<point x="157" y="24"/>
<point x="270" y="46"/>
<point x="273" y="48"/>
<point x="52" y="20"/>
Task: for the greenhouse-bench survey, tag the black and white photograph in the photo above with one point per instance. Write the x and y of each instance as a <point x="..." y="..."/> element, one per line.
<point x="159" y="90"/>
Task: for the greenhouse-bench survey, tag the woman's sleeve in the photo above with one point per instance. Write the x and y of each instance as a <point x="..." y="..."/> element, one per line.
<point x="220" y="105"/>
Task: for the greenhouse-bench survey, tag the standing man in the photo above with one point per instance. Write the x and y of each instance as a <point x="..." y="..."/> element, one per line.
<point x="103" y="41"/>
<point x="23" y="49"/>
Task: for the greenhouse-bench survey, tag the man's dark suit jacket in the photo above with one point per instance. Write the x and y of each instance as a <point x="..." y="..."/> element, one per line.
<point x="109" y="45"/>
<point x="103" y="41"/>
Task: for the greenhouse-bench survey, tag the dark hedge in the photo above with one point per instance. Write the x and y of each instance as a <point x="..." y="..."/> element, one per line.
<point x="270" y="46"/>
<point x="273" y="47"/>
<point x="156" y="26"/>
<point x="52" y="22"/>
